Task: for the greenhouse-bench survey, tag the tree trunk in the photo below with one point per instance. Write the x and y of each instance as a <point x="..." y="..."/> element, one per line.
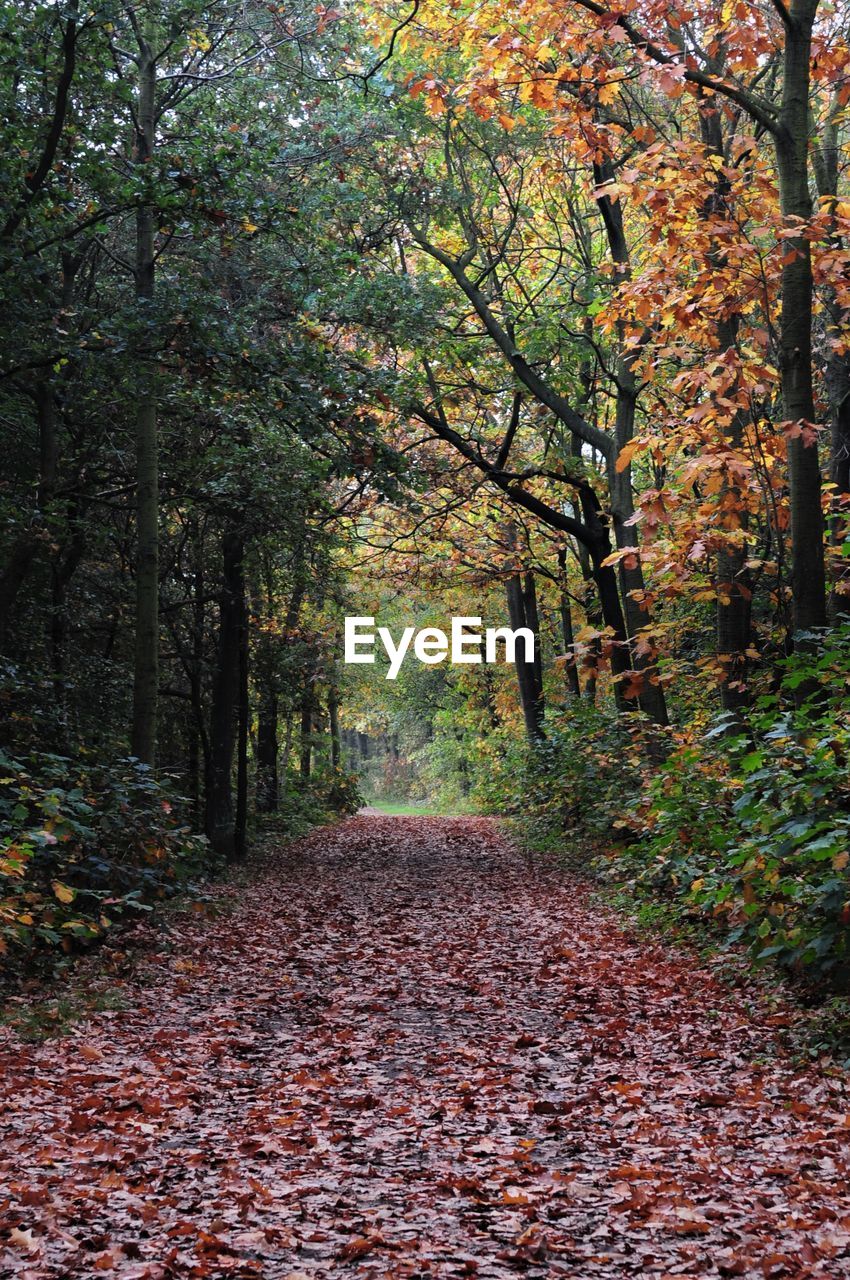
<point x="651" y="696"/>
<point x="287" y="743"/>
<point x="243" y="724"/>
<point x="61" y="573"/>
<point x="612" y="615"/>
<point x="520" y="602"/>
<point x="826" y="163"/>
<point x="268" y="778"/>
<point x="146" y="657"/>
<point x="808" y="581"/>
<point x="199" y="743"/>
<point x="732" y="579"/>
<point x="333" y="717"/>
<point x="573" y="686"/>
<point x="220" y="817"/>
<point x="306" y="749"/>
<point x="193" y="767"/>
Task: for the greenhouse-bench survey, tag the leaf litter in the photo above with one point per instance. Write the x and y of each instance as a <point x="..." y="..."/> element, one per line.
<point x="410" y="1051"/>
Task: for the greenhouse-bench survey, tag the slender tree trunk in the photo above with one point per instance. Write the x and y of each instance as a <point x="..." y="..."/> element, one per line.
<point x="306" y="748"/>
<point x="612" y="616"/>
<point x="530" y="685"/>
<point x="591" y="683"/>
<point x="287" y="743"/>
<point x="243" y="724"/>
<point x="594" y="619"/>
<point x="268" y="711"/>
<point x="268" y="741"/>
<point x="732" y="580"/>
<point x="608" y="593"/>
<point x="808" y="580"/>
<point x="146" y="658"/>
<point x="62" y="571"/>
<point x="268" y="749"/>
<point x="568" y="636"/>
<point x="838" y="384"/>
<point x="592" y="608"/>
<point x="532" y="615"/>
<point x="193" y="766"/>
<point x="333" y="718"/>
<point x="733" y="628"/>
<point x="826" y="157"/>
<point x="220" y="816"/>
<point x="199" y="745"/>
<point x="48" y="442"/>
<point x="651" y="696"/>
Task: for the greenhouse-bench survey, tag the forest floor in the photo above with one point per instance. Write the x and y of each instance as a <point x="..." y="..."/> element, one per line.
<point x="404" y="1049"/>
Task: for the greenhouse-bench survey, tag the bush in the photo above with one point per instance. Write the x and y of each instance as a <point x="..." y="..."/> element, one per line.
<point x="329" y="793"/>
<point x="83" y="845"/>
<point x="754" y="831"/>
<point x="337" y="790"/>
<point x="746" y="826"/>
<point x="574" y="784"/>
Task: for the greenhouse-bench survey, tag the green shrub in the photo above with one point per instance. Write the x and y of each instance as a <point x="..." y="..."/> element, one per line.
<point x="754" y="831"/>
<point x="575" y="783"/>
<point x="329" y="793"/>
<point x="751" y="827"/>
<point x="82" y="845"/>
<point x="744" y="825"/>
<point x="337" y="790"/>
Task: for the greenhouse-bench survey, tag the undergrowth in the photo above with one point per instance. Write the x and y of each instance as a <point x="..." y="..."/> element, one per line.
<point x="737" y="826"/>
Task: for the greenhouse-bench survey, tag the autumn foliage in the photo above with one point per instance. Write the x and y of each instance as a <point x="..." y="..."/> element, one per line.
<point x="400" y="1052"/>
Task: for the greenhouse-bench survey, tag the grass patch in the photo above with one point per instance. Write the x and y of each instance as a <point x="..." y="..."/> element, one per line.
<point x="41" y="1018"/>
<point x="423" y="808"/>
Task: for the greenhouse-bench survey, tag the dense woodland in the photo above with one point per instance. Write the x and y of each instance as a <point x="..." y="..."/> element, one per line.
<point x="534" y="312"/>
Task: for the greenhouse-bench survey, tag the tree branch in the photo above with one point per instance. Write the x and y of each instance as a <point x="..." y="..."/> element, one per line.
<point x="539" y="387"/>
<point x="550" y="516"/>
<point x="759" y="108"/>
<point x="35" y="181"/>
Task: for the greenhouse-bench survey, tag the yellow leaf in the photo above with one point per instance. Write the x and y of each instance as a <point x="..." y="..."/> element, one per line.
<point x="609" y="92"/>
<point x="63" y="892"/>
<point x="839" y="862"/>
<point x="198" y="39"/>
<point x="507" y="122"/>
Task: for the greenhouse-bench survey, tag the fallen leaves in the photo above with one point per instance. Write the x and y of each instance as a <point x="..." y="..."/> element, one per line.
<point x="23" y="1240"/>
<point x="406" y="1052"/>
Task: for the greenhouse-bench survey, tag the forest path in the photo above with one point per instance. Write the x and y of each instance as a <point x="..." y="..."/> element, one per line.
<point x="408" y="1051"/>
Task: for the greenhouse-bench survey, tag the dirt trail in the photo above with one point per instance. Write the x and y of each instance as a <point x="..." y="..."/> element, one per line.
<point x="407" y="1051"/>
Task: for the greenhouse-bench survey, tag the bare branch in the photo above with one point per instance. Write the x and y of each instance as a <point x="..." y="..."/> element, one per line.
<point x="526" y="374"/>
